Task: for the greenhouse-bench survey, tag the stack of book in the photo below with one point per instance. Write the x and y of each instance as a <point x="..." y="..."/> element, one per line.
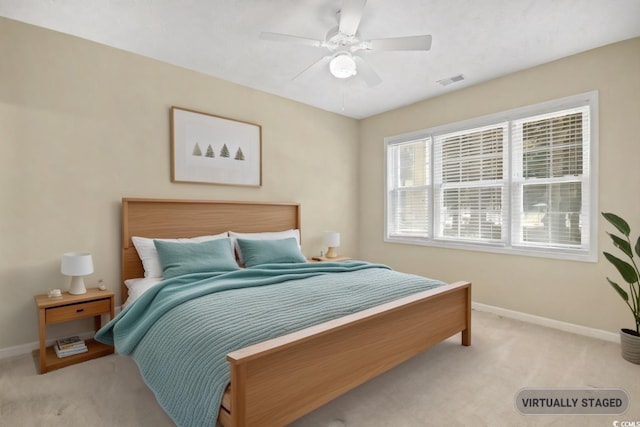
<point x="69" y="346"/>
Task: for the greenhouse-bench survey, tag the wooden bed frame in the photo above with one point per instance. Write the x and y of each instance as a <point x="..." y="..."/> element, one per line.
<point x="279" y="380"/>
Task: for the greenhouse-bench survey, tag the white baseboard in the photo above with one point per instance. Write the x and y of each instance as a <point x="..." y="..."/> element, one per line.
<point x="21" y="349"/>
<point x="17" y="350"/>
<point x="550" y="323"/>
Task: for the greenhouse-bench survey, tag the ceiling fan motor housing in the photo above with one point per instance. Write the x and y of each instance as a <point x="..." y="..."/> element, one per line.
<point x="335" y="40"/>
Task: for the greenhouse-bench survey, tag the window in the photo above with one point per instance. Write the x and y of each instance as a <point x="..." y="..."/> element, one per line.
<point x="470" y="181"/>
<point x="521" y="181"/>
<point x="409" y="205"/>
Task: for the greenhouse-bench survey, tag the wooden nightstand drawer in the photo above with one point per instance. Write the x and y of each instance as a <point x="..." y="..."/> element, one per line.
<point x="78" y="310"/>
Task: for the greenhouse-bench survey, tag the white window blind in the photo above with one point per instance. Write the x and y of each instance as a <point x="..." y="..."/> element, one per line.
<point x="551" y="174"/>
<point x="522" y="181"/>
<point x="408" y="186"/>
<point x="469" y="177"/>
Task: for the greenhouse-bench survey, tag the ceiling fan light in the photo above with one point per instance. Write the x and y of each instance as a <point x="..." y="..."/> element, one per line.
<point x="342" y="66"/>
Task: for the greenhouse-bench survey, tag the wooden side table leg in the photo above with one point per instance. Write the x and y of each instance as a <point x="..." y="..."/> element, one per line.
<point x="43" y="344"/>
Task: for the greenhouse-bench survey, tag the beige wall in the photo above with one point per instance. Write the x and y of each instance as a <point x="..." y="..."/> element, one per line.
<point x="574" y="292"/>
<point x="83" y="125"/>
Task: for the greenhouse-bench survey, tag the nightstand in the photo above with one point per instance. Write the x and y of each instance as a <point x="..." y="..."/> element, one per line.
<point x="325" y="259"/>
<point x="66" y="308"/>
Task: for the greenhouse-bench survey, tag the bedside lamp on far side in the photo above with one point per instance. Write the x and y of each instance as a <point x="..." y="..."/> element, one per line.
<point x="77" y="264"/>
<point x="332" y="240"/>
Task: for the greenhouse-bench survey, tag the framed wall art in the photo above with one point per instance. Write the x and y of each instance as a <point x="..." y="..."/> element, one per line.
<point x="215" y="150"/>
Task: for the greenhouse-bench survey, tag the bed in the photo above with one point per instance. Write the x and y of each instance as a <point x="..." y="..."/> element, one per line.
<point x="332" y="357"/>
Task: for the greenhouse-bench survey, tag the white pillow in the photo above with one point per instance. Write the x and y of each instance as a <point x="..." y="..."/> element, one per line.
<point x="149" y="255"/>
<point x="137" y="287"/>
<point x="267" y="235"/>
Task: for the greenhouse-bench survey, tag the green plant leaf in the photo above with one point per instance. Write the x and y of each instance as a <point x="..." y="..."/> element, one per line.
<point x="617" y="222"/>
<point x="618" y="289"/>
<point x="626" y="270"/>
<point x="638" y="246"/>
<point x="622" y="244"/>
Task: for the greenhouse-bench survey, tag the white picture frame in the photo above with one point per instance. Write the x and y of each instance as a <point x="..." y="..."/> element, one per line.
<point x="211" y="149"/>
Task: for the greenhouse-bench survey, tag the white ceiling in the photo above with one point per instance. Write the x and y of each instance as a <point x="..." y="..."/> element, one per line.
<point x="481" y="39"/>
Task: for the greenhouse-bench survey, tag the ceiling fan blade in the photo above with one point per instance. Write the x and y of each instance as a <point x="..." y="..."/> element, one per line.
<point x="350" y="16"/>
<point x="402" y="43"/>
<point x="368" y="74"/>
<point x="322" y="62"/>
<point x="290" y="39"/>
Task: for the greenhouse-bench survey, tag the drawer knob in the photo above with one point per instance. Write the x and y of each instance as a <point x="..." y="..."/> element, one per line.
<point x="80" y="310"/>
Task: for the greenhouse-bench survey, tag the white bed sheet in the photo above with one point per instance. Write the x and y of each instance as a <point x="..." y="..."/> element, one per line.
<point x="137" y="287"/>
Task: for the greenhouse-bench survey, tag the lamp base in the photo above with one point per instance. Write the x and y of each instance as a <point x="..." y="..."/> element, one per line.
<point x="77" y="286"/>
<point x="331" y="252"/>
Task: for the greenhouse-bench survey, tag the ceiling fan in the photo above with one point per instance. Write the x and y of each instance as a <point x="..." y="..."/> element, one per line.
<point x="343" y="44"/>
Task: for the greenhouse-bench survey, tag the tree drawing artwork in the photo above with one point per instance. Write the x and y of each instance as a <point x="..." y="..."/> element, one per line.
<point x="210" y="152"/>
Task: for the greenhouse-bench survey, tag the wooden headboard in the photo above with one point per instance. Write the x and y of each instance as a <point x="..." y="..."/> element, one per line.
<point x="171" y="219"/>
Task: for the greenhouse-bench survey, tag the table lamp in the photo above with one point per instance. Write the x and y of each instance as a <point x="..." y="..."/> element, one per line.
<point x="332" y="240"/>
<point x="76" y="265"/>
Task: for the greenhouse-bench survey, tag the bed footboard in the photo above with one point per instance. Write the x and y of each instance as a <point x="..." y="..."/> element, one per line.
<point x="277" y="381"/>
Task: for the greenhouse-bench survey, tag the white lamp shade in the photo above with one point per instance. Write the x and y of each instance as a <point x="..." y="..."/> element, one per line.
<point x="77" y="264"/>
<point x="332" y="239"/>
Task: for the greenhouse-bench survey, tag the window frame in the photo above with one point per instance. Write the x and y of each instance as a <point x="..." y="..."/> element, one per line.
<point x="507" y="246"/>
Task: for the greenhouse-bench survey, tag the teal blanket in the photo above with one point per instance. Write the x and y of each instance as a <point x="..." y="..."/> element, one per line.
<point x="180" y="331"/>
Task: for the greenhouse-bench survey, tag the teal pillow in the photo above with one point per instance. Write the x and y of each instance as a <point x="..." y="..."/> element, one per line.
<point x="256" y="252"/>
<point x="177" y="259"/>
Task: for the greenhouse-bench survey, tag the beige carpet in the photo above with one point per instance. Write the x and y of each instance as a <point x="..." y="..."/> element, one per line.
<point x="449" y="385"/>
